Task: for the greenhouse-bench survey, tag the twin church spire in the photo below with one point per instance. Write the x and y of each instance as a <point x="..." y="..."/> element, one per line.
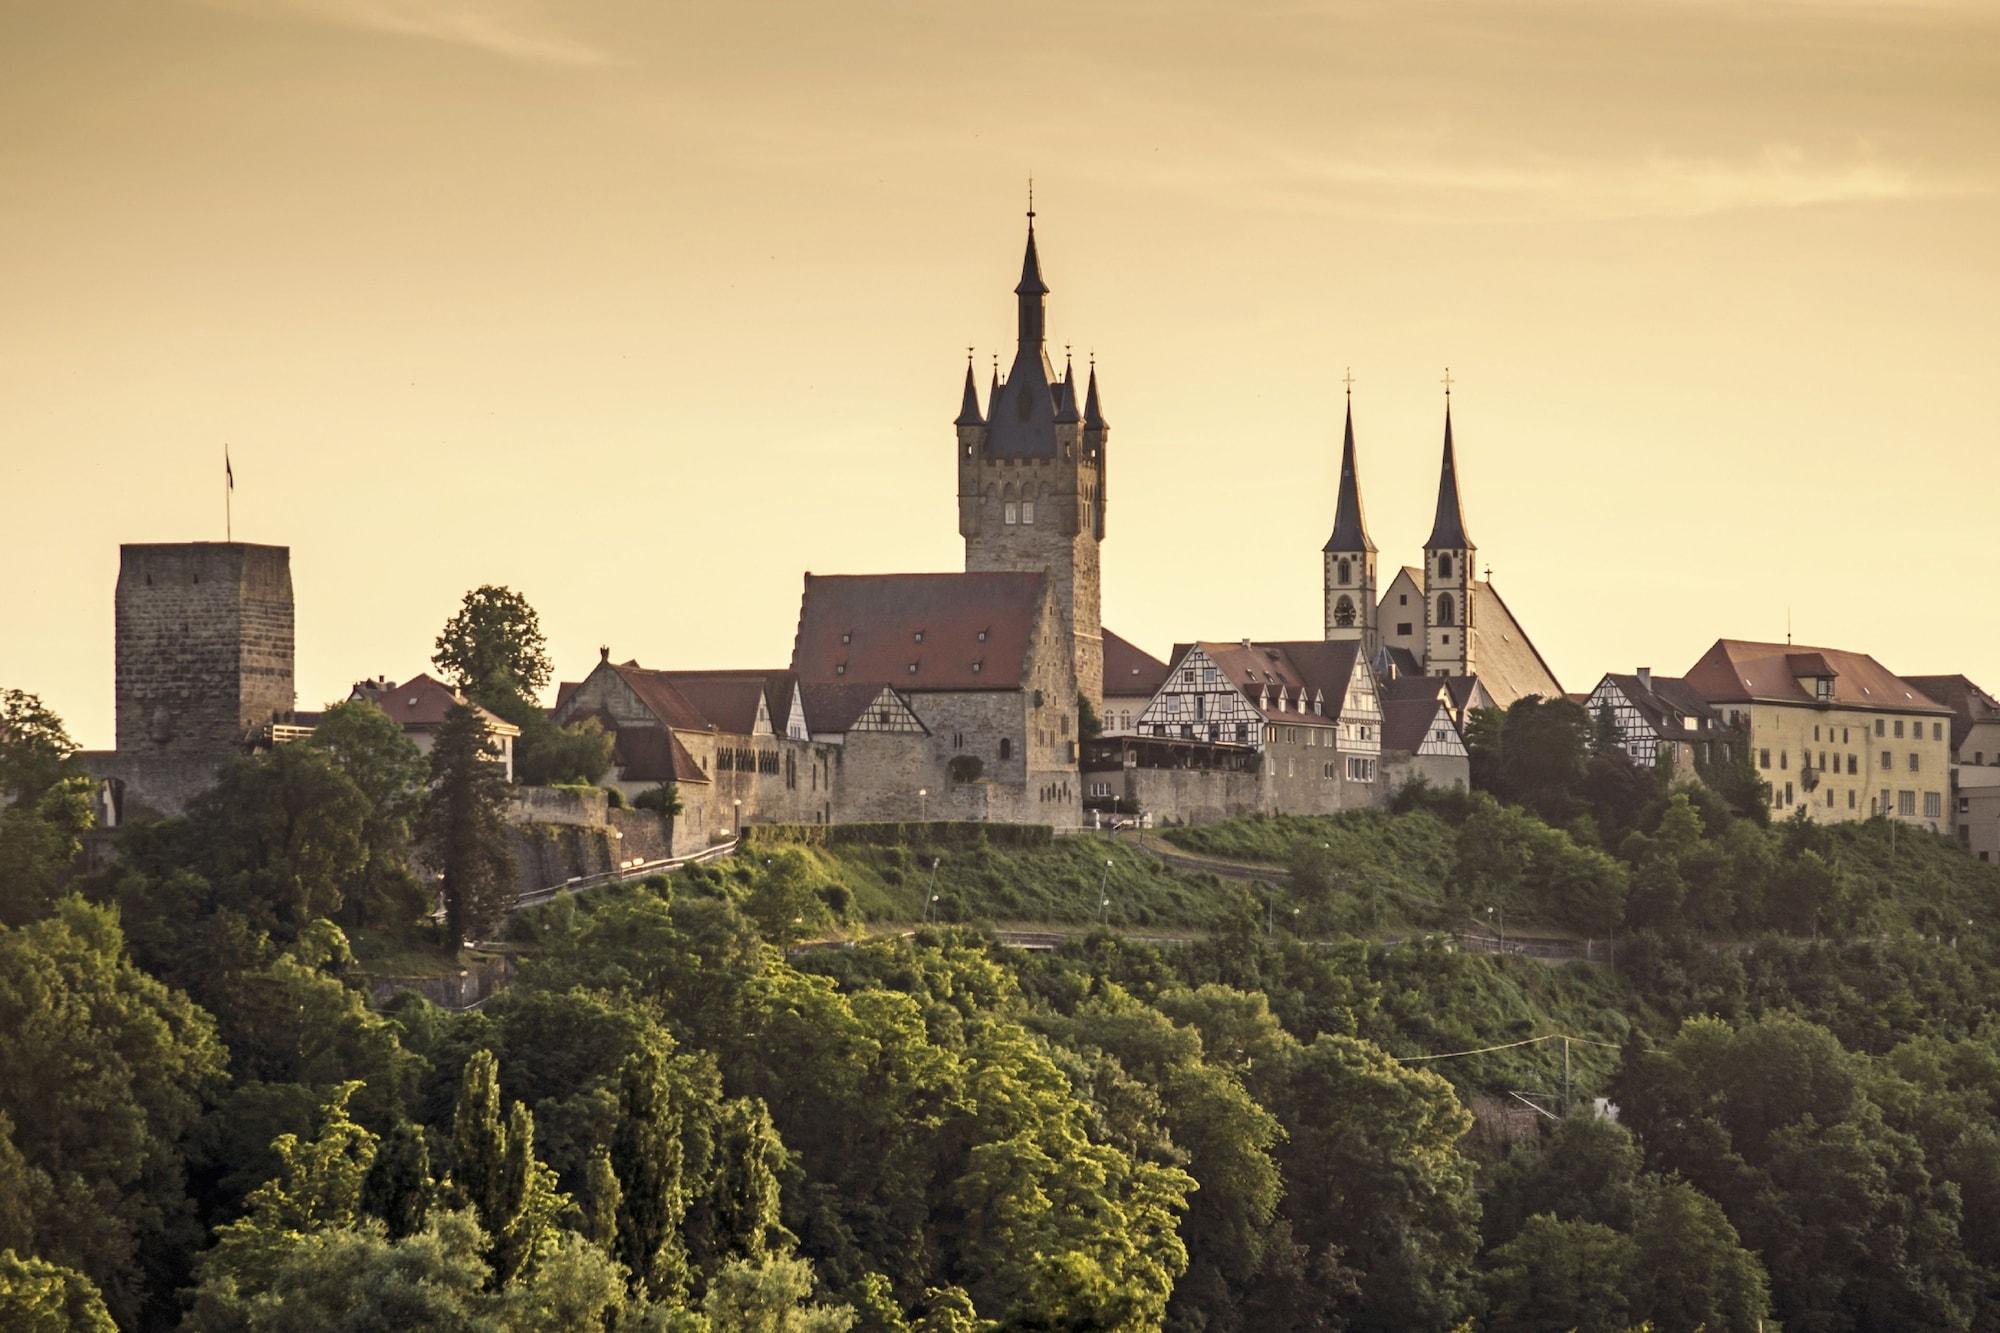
<point x="1434" y="635"/>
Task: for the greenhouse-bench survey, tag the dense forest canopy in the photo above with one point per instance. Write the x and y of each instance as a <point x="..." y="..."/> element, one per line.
<point x="1296" y="1098"/>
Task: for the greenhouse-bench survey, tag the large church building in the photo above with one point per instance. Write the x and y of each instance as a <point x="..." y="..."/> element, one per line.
<point x="1437" y="619"/>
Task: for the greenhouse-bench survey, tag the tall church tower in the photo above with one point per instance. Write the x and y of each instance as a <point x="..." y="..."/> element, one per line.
<point x="1348" y="578"/>
<point x="1031" y="477"/>
<point x="1448" y="561"/>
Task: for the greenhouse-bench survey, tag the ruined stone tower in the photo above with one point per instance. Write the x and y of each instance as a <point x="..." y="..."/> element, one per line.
<point x="204" y="654"/>
<point x="1031" y="472"/>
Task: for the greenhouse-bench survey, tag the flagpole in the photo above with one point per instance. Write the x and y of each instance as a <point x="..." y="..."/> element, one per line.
<point x="228" y="497"/>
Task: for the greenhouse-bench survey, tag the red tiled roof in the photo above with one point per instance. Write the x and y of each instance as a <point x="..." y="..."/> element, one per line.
<point x="835" y="708"/>
<point x="420" y="704"/>
<point x="1968" y="703"/>
<point x="1309" y="665"/>
<point x="653" y="754"/>
<point x="728" y="699"/>
<point x="661" y="697"/>
<point x="975" y="630"/>
<point x="1741" y="671"/>
<point x="1406" y="722"/>
<point x="1129" y="670"/>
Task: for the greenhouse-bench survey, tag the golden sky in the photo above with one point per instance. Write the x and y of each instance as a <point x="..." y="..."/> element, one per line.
<point x="646" y="307"/>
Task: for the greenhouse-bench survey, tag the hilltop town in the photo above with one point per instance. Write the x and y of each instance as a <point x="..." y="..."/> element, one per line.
<point x="1003" y="693"/>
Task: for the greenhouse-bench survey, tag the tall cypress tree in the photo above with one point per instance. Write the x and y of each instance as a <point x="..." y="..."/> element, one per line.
<point x="479" y="1140"/>
<point x="646" y="1155"/>
<point x="465" y="829"/>
<point x="601" y="1200"/>
<point x="399" y="1184"/>
<point x="529" y="1200"/>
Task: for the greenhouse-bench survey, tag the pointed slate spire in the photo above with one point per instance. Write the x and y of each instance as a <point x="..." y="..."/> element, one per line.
<point x="1350" y="524"/>
<point x="1028" y="294"/>
<point x="1093" y="409"/>
<point x="1448" y="531"/>
<point x="968" y="408"/>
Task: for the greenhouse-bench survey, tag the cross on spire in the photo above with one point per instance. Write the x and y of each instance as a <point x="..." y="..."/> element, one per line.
<point x="1447" y="381"/>
<point x="1031" y="201"/>
<point x="1348" y="380"/>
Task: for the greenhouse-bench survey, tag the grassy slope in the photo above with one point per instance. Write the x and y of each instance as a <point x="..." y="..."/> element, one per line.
<point x="1057" y="884"/>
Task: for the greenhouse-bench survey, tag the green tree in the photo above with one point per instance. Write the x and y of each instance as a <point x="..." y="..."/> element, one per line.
<point x="548" y="755"/>
<point x="479" y="1140"/>
<point x="601" y="1198"/>
<point x="646" y="1155"/>
<point x="40" y="837"/>
<point x="464" y="828"/>
<point x="1691" y="1270"/>
<point x="743" y="1216"/>
<point x="492" y="647"/>
<point x="106" y="1071"/>
<point x="771" y="1296"/>
<point x="399" y="1187"/>
<point x="390" y="772"/>
<point x="784" y="901"/>
<point x="1373" y="1172"/>
<point x="1561" y="1275"/>
<point x="279" y="838"/>
<point x="36" y="751"/>
<point x="40" y="1297"/>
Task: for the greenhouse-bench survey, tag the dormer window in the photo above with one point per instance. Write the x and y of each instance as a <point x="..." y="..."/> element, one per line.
<point x="982" y="636"/>
<point x="919" y="636"/>
<point x="847" y="637"/>
<point x="840" y="669"/>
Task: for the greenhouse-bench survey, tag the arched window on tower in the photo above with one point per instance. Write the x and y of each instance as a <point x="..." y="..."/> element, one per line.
<point x="1445" y="609"/>
<point x="1011" y="508"/>
<point x="1342" y="572"/>
<point x="1343" y="612"/>
<point x="1444" y="566"/>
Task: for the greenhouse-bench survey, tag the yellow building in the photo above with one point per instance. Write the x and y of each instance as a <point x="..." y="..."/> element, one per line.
<point x="1835" y="733"/>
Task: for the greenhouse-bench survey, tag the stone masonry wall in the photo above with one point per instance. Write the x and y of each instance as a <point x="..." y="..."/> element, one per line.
<point x="204" y="649"/>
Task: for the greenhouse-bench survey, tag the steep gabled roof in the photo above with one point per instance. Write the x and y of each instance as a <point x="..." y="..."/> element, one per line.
<point x="918" y="632"/>
<point x="1318" y="669"/>
<point x="421" y="702"/>
<point x="1968" y="703"/>
<point x="1663" y="702"/>
<point x="653" y="754"/>
<point x="1503" y="655"/>
<point x="661" y="697"/>
<point x="1129" y="670"/>
<point x="1407" y="721"/>
<point x="834" y="709"/>
<point x="1747" y="671"/>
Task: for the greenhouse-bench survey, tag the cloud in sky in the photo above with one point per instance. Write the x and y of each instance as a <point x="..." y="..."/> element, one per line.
<point x="515" y="29"/>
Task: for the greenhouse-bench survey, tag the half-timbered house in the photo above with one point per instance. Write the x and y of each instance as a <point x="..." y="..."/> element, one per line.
<point x="1307" y="709"/>
<point x="1656" y="717"/>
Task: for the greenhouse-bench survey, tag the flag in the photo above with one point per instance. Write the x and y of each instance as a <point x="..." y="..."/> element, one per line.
<point x="228" y="471"/>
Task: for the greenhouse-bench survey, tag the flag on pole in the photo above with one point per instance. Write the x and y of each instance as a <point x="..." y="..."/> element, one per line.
<point x="228" y="471"/>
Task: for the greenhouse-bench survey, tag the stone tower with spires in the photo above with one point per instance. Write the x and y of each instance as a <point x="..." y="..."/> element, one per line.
<point x="1448" y="575"/>
<point x="1031" y="471"/>
<point x="1348" y="576"/>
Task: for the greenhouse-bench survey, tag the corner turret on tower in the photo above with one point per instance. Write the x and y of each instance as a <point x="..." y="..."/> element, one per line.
<point x="1031" y="475"/>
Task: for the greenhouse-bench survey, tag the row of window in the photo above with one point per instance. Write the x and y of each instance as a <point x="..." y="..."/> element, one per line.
<point x="1853" y="762"/>
<point x="1905" y="802"/>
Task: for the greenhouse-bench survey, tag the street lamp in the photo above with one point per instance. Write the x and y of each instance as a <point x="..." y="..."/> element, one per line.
<point x="923" y="803"/>
<point x="1503" y="925"/>
<point x="930" y="893"/>
<point x="1104" y="898"/>
<point x="738" y="803"/>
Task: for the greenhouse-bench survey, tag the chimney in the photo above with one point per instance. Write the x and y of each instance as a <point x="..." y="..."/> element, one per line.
<point x="1246" y="643"/>
<point x="604" y="652"/>
<point x="1645" y="678"/>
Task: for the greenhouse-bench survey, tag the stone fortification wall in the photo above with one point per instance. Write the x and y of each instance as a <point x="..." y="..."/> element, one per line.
<point x="1191" y="795"/>
<point x="585" y="808"/>
<point x="1399" y="768"/>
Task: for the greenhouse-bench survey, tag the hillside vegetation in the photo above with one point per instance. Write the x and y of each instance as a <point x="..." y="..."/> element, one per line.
<point x="710" y="1101"/>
